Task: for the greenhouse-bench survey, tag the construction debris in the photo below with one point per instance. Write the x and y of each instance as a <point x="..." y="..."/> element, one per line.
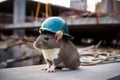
<point x="91" y="55"/>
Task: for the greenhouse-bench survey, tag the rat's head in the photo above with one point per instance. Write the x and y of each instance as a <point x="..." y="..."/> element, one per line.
<point x="52" y="31"/>
<point x="48" y="40"/>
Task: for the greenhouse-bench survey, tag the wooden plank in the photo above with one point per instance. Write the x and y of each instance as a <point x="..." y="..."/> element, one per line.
<point x="105" y="6"/>
<point x="114" y="7"/>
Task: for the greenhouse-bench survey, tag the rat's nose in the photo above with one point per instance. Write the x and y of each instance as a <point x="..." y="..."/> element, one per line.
<point x="37" y="44"/>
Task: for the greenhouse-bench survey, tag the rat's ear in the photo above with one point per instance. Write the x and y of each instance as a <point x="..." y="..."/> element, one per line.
<point x="59" y="35"/>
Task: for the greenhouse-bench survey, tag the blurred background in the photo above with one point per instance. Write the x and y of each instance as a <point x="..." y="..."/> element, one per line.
<point x="91" y="22"/>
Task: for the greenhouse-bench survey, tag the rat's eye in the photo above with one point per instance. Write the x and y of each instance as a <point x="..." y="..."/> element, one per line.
<point x="46" y="38"/>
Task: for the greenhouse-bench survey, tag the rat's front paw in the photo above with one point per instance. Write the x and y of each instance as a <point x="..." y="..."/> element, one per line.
<point x="44" y="68"/>
<point x="51" y="70"/>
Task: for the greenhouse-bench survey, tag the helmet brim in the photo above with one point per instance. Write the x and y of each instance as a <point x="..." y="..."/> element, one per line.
<point x="67" y="35"/>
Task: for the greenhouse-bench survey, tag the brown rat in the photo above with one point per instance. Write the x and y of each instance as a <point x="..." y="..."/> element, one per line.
<point x="57" y="50"/>
<point x="54" y="42"/>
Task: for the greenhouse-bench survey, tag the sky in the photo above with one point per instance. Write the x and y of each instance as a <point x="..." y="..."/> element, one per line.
<point x="91" y="4"/>
<point x="66" y="3"/>
<point x="2" y="0"/>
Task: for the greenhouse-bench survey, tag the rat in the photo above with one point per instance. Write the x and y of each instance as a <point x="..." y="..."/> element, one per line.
<point x="58" y="51"/>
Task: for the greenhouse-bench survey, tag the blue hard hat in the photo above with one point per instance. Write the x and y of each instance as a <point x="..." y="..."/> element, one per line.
<point x="54" y="24"/>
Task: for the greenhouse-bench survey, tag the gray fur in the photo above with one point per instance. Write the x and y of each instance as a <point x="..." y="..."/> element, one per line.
<point x="68" y="54"/>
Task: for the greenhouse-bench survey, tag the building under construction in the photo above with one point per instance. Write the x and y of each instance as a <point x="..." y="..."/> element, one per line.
<point x="101" y="25"/>
<point x="94" y="32"/>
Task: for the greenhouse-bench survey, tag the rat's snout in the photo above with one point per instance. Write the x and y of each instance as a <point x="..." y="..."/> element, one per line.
<point x="37" y="44"/>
